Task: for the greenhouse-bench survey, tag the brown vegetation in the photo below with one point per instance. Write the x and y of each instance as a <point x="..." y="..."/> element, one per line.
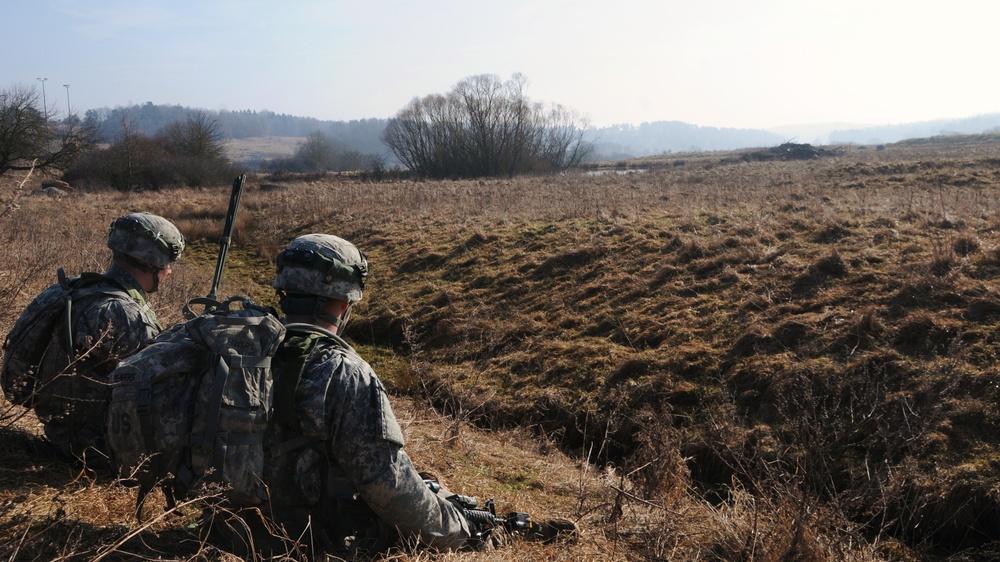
<point x="764" y="360"/>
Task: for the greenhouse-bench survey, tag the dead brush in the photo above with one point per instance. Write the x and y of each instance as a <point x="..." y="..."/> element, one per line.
<point x="204" y="220"/>
<point x="34" y="250"/>
<point x="943" y="257"/>
<point x="830" y="438"/>
<point x="785" y="527"/>
<point x="965" y="245"/>
<point x="830" y="266"/>
<point x="8" y="203"/>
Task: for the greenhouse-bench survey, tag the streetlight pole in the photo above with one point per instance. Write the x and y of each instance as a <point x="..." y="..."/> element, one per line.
<point x="45" y="105"/>
<point x="68" y="111"/>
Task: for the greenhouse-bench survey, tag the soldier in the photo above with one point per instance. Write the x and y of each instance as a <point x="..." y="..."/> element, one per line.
<point x="336" y="470"/>
<point x="110" y="320"/>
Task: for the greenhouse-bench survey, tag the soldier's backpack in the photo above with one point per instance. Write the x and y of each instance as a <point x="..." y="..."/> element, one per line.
<point x="193" y="407"/>
<point x="46" y="321"/>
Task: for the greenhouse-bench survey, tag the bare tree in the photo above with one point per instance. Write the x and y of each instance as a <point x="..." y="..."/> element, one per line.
<point x="562" y="144"/>
<point x="485" y="127"/>
<point x="129" y="147"/>
<point x="320" y="153"/>
<point x="198" y="136"/>
<point x="30" y="139"/>
<point x="317" y="152"/>
<point x="419" y="135"/>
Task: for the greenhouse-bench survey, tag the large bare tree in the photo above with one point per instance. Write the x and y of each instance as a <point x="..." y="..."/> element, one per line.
<point x="30" y="138"/>
<point x="485" y="127"/>
<point x="198" y="136"/>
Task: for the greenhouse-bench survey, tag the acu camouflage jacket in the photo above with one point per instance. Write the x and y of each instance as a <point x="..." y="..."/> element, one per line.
<point x="337" y="409"/>
<point x="112" y="324"/>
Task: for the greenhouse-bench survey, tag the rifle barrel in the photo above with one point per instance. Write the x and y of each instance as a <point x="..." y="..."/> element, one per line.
<point x="227" y="234"/>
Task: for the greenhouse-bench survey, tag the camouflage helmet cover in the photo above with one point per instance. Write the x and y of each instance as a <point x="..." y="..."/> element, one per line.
<point x="148" y="238"/>
<point x="322" y="265"/>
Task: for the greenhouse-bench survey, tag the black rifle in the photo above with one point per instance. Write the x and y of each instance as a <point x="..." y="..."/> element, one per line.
<point x="212" y="300"/>
<point x="227" y="234"/>
<point x="485" y="519"/>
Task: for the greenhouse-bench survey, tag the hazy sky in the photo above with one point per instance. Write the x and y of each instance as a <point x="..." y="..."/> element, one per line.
<point x="724" y="63"/>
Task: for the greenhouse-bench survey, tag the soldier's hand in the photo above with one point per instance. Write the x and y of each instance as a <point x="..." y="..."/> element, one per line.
<point x="554" y="529"/>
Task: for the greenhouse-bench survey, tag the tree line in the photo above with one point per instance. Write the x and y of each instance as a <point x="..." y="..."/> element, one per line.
<point x="147" y="147"/>
<point x="363" y="135"/>
<point x="483" y="127"/>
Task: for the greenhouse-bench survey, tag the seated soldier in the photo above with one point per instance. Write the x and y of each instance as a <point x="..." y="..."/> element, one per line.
<point x="110" y="319"/>
<point x="336" y="461"/>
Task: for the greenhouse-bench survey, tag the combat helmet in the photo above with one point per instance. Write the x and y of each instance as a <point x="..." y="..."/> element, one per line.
<point x="322" y="265"/>
<point x="316" y="267"/>
<point x="146" y="240"/>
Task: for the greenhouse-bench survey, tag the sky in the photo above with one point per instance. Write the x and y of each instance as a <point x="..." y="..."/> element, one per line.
<point x="719" y="63"/>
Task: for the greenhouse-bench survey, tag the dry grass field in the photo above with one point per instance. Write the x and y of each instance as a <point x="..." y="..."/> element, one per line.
<point x="695" y="357"/>
<point x="261" y="148"/>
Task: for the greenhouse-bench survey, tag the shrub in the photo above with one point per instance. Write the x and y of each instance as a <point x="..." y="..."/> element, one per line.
<point x="182" y="154"/>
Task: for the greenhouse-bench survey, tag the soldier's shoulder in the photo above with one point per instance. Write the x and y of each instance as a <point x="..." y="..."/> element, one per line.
<point x="103" y="292"/>
<point x="116" y="302"/>
<point x="333" y="360"/>
<point x="339" y="350"/>
<point x="114" y="309"/>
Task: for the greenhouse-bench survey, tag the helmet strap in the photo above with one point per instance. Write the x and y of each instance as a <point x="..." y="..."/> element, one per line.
<point x="142" y="266"/>
<point x="309" y="305"/>
<point x="338" y="323"/>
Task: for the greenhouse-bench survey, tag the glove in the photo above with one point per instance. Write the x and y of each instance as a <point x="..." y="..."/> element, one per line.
<point x="552" y="530"/>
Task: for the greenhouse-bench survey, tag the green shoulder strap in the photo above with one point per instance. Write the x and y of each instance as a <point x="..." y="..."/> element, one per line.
<point x="136" y="295"/>
<point x="289" y="362"/>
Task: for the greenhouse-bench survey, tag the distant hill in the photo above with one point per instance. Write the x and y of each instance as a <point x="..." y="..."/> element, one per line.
<point x="813" y="133"/>
<point x="660" y="137"/>
<point x="847" y="133"/>
<point x="976" y="125"/>
<point x="625" y="141"/>
<point x="610" y="143"/>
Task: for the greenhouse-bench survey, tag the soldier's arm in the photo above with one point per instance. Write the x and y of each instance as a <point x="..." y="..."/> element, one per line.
<point x="108" y="331"/>
<point x="368" y="443"/>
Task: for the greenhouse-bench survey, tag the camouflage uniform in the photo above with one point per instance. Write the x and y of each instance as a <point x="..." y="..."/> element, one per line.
<point x="336" y="449"/>
<point x="113" y="324"/>
<point x="111" y="320"/>
<point x="342" y="412"/>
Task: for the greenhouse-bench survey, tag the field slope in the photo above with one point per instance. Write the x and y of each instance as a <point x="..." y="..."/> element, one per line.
<point x="706" y="356"/>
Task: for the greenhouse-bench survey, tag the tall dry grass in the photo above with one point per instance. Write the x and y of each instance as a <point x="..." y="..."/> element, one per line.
<point x="699" y="362"/>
